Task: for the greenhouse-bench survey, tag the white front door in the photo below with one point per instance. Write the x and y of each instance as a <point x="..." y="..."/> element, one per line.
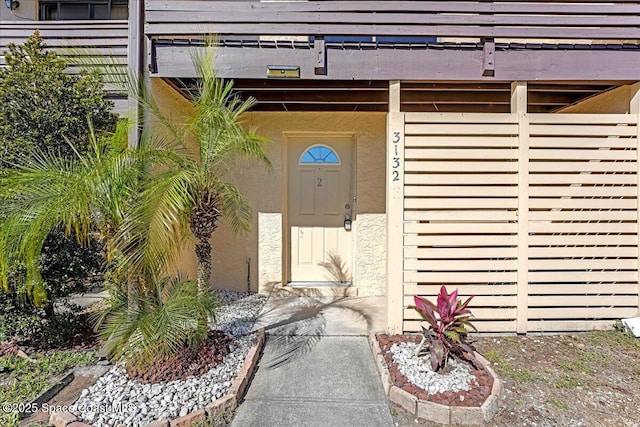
<point x="320" y="200"/>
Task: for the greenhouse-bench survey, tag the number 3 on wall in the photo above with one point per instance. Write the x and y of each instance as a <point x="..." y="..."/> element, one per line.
<point x="395" y="174"/>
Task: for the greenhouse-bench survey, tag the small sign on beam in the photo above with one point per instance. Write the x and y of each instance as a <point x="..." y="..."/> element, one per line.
<point x="283" y="72"/>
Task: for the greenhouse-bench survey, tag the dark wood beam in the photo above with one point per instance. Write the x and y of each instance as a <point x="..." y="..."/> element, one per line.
<point x="328" y="97"/>
<point x="574" y="87"/>
<point x="461" y="86"/>
<point x="322" y="95"/>
<point x="406" y="64"/>
<point x="319" y="107"/>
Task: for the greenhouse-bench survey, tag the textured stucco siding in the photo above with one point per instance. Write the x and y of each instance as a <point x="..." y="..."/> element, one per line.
<point x="615" y="101"/>
<point x="269" y="248"/>
<point x="371" y="254"/>
<point x="28" y="10"/>
<point x="259" y="254"/>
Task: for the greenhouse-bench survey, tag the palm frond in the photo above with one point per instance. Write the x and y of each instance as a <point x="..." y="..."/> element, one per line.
<point x="174" y="317"/>
<point x="234" y="207"/>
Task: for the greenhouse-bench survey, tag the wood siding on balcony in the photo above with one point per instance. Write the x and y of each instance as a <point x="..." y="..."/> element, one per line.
<point x="577" y="40"/>
<point x="508" y="19"/>
<point x="103" y="43"/>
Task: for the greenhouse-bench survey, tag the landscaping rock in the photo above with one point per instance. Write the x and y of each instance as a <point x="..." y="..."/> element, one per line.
<point x="61" y="419"/>
<point x="179" y="397"/>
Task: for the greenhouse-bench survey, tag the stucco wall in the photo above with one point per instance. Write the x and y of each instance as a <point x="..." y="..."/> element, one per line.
<point x="615" y="101"/>
<point x="265" y="192"/>
<point x="236" y="257"/>
<point x="174" y="106"/>
<point x="26" y="11"/>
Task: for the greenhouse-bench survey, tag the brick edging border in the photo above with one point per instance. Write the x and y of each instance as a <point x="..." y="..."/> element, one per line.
<point x="226" y="403"/>
<point x="436" y="412"/>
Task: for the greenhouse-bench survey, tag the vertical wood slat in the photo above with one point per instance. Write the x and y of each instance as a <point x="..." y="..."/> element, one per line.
<point x="134" y="60"/>
<point x="519" y="107"/>
<point x="395" y="211"/>
<point x="634" y="109"/>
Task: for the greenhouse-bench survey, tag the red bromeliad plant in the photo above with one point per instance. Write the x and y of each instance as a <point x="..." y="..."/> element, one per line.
<point x="447" y="333"/>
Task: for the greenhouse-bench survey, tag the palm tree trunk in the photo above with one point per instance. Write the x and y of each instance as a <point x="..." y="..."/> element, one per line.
<point x="133" y="288"/>
<point x="203" y="252"/>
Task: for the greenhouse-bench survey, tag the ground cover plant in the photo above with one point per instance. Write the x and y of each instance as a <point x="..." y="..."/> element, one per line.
<point x="24" y="379"/>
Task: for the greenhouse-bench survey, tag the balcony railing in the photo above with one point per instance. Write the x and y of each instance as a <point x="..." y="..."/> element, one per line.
<point x="615" y="20"/>
<point x="100" y="44"/>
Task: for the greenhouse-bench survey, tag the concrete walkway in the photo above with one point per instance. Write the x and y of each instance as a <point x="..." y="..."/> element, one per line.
<point x="317" y="368"/>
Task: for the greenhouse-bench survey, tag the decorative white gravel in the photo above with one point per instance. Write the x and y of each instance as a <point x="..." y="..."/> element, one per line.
<point x="116" y="400"/>
<point x="418" y="371"/>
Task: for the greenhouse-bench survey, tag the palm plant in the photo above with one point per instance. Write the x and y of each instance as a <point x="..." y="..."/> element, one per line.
<point x="142" y="203"/>
<point x="161" y="324"/>
<point x="88" y="196"/>
<point x="101" y="193"/>
<point x="198" y="191"/>
<point x="46" y="190"/>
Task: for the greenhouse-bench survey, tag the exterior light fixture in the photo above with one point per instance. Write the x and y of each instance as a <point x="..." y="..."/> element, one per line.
<point x="12" y="4"/>
<point x="283" y="72"/>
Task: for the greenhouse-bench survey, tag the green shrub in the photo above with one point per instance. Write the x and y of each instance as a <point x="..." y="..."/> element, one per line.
<point x="41" y="104"/>
<point x="43" y="108"/>
<point x="22" y="321"/>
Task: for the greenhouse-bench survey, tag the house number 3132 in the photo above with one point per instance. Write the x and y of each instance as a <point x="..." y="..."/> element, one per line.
<point x="395" y="174"/>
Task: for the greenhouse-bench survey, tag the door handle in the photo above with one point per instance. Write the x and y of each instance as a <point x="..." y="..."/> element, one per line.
<point x="347" y="222"/>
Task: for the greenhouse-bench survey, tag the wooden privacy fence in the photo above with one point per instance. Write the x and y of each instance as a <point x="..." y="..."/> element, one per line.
<point x="536" y="215"/>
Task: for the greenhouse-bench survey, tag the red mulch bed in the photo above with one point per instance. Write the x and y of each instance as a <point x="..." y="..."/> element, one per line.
<point x="8" y="348"/>
<point x="471" y="398"/>
<point x="189" y="362"/>
<point x="84" y="340"/>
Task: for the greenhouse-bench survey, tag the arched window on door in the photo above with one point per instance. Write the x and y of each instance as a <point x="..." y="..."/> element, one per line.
<point x="319" y="154"/>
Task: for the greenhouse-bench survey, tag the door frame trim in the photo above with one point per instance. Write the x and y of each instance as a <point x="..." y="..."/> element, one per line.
<point x="284" y="188"/>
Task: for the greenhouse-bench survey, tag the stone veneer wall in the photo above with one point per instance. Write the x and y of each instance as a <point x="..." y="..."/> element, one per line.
<point x="269" y="248"/>
<point x="371" y="253"/>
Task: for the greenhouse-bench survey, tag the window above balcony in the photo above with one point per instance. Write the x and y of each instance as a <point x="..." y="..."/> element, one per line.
<point x="61" y="10"/>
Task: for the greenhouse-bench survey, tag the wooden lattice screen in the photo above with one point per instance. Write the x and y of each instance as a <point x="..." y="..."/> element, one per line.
<point x="535" y="215"/>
